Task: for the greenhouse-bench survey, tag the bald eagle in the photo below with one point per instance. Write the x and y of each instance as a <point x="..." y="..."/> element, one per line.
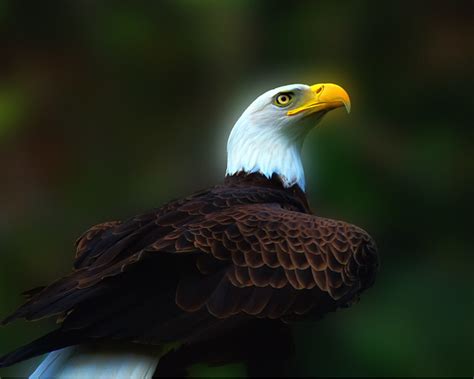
<point x="214" y="277"/>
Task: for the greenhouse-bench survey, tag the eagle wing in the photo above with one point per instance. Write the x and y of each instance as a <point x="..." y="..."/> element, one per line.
<point x="199" y="268"/>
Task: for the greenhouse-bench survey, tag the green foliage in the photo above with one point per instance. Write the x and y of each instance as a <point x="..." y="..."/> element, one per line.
<point x="14" y="107"/>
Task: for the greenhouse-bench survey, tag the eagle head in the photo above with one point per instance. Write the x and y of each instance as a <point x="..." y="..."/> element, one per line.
<point x="268" y="136"/>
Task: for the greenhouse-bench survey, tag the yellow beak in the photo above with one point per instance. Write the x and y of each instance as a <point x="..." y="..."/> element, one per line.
<point x="324" y="96"/>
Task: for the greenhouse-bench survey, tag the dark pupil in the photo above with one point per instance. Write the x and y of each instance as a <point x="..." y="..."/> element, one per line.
<point x="283" y="99"/>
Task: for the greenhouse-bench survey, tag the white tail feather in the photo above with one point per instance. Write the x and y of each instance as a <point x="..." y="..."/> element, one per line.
<point x="98" y="362"/>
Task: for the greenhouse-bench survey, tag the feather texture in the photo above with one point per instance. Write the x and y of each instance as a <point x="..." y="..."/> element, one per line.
<point x="200" y="266"/>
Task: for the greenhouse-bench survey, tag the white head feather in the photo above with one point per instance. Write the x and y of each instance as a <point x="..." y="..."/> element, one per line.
<point x="266" y="140"/>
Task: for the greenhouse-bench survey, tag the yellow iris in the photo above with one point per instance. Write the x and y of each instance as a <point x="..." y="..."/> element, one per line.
<point x="283" y="99"/>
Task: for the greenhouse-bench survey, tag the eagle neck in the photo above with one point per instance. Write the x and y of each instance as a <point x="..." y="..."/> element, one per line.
<point x="267" y="152"/>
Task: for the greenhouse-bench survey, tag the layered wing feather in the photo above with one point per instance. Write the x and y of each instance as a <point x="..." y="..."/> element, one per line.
<point x="223" y="254"/>
<point x="281" y="262"/>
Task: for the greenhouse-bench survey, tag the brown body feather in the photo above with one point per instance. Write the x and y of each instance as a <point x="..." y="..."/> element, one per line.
<point x="200" y="266"/>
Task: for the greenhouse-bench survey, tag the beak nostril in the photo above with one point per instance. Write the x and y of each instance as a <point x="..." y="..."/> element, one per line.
<point x="318" y="91"/>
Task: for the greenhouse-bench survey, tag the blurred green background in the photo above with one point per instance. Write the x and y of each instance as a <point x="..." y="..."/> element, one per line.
<point x="110" y="108"/>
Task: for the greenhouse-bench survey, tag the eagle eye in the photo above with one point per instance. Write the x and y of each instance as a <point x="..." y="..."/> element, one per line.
<point x="283" y="99"/>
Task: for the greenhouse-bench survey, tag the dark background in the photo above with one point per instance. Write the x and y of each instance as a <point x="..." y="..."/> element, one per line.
<point x="110" y="108"/>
